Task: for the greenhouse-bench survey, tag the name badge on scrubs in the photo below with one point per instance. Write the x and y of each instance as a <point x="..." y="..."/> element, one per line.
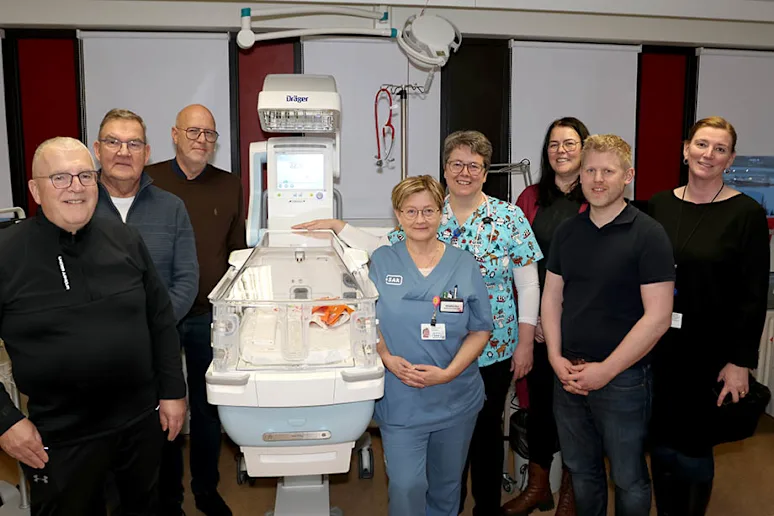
<point x="452" y="306"/>
<point x="433" y="332"/>
<point x="677" y="320"/>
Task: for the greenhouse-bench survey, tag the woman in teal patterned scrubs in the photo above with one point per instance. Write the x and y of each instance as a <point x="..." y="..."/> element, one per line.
<point x="500" y="238"/>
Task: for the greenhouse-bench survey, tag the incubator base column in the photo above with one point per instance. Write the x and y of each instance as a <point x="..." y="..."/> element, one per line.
<point x="303" y="496"/>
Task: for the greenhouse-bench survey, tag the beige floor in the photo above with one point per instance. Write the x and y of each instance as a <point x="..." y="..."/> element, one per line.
<point x="744" y="482"/>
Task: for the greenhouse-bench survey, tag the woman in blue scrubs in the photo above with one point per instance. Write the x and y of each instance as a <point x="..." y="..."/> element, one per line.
<point x="434" y="319"/>
<point x="497" y="234"/>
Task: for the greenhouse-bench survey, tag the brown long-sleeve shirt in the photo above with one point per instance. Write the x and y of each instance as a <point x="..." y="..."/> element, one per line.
<point x="214" y="203"/>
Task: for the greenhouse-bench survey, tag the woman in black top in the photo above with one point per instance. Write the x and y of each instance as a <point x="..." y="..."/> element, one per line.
<point x="720" y="241"/>
<point x="555" y="198"/>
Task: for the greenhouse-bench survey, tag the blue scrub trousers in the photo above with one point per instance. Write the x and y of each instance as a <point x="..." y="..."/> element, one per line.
<point x="424" y="468"/>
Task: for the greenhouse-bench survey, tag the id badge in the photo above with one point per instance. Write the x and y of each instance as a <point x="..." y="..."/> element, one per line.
<point x="677" y="320"/>
<point x="452" y="306"/>
<point x="430" y="332"/>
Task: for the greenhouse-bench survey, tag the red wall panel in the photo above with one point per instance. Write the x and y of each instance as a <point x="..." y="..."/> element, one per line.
<point x="661" y="106"/>
<point x="49" y="95"/>
<point x="254" y="65"/>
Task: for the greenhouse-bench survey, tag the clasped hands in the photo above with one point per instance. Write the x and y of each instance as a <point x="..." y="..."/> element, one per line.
<point x="581" y="378"/>
<point x="415" y="375"/>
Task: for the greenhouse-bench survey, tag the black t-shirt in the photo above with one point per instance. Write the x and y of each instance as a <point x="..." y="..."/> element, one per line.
<point x="603" y="269"/>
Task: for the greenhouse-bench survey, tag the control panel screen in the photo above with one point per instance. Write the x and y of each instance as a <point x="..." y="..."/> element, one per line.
<point x="301" y="171"/>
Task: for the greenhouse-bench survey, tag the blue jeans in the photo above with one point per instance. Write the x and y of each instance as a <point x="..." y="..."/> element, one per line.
<point x="424" y="468"/>
<point x="611" y="421"/>
<point x="205" y="433"/>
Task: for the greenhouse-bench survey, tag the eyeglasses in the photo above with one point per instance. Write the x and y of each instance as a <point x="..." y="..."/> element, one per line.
<point x="474" y="169"/>
<point x="62" y="180"/>
<point x="412" y="213"/>
<point x="114" y="144"/>
<point x="193" y="133"/>
<point x="569" y="146"/>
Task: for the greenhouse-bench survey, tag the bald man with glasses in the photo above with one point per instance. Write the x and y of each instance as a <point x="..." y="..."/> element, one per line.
<point x="91" y="334"/>
<point x="214" y="201"/>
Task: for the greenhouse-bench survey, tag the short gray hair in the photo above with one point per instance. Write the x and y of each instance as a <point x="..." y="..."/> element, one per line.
<point x="123" y="114"/>
<point x="59" y="143"/>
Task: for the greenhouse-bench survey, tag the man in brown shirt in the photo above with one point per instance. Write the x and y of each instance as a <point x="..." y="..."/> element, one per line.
<point x="213" y="198"/>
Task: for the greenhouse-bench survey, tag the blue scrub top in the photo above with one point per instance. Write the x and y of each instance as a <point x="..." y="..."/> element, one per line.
<point x="405" y="303"/>
<point x="498" y="246"/>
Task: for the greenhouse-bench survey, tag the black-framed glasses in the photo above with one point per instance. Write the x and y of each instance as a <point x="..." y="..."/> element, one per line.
<point x="62" y="180"/>
<point x="412" y="213"/>
<point x="569" y="146"/>
<point x="193" y="133"/>
<point x="474" y="168"/>
<point x="114" y="144"/>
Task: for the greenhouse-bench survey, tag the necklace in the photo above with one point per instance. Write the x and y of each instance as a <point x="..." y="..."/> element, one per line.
<point x="430" y="259"/>
<point x="679" y="251"/>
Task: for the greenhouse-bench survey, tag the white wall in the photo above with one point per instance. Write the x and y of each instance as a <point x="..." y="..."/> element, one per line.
<point x="361" y="66"/>
<point x="6" y="197"/>
<point x="594" y="83"/>
<point x="751" y="10"/>
<point x="738" y="86"/>
<point x="525" y="24"/>
<point x="156" y="75"/>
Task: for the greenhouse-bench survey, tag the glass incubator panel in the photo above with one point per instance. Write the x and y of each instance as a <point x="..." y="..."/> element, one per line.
<point x="294" y="304"/>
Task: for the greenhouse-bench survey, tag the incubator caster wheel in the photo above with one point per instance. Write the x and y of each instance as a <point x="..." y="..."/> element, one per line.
<point x="365" y="463"/>
<point x="241" y="470"/>
<point x="508" y="484"/>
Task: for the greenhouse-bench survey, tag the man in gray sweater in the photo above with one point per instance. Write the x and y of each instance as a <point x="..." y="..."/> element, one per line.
<point x="126" y="193"/>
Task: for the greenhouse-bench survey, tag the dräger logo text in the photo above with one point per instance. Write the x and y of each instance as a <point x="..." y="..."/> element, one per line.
<point x="296" y="98"/>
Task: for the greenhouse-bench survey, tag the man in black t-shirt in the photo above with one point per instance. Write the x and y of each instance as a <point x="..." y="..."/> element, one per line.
<point x="607" y="301"/>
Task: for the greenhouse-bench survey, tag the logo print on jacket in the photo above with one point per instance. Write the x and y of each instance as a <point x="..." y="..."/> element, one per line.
<point x="64" y="272"/>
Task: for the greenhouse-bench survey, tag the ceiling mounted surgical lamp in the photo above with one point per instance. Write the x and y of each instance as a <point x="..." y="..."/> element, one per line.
<point x="426" y="39"/>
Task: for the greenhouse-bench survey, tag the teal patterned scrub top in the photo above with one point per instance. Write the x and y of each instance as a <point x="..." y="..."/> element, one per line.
<point x="500" y="238"/>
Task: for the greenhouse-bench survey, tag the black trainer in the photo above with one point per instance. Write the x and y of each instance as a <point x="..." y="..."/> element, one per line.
<point x="212" y="504"/>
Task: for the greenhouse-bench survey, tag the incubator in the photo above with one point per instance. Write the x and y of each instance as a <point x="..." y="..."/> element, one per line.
<point x="295" y="371"/>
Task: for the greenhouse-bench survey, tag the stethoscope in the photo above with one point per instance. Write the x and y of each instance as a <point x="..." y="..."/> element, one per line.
<point x="388" y="130"/>
<point x="484" y="221"/>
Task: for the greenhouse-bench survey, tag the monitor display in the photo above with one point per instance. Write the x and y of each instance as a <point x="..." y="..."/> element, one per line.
<point x="301" y="171"/>
<point x="754" y="176"/>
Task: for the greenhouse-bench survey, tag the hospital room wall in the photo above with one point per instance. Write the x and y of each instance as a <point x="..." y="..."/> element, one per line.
<point x="664" y="106"/>
<point x="38" y="67"/>
<point x="674" y="26"/>
<point x="252" y="67"/>
<point x="468" y="102"/>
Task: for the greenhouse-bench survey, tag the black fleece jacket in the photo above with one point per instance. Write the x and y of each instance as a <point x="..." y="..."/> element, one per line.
<point x="89" y="327"/>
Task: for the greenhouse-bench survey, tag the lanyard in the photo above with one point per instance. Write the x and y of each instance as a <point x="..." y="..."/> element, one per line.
<point x="486" y="220"/>
<point x="679" y="251"/>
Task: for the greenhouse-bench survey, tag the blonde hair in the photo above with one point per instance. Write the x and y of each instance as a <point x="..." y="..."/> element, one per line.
<point x="473" y="140"/>
<point x="715" y="122"/>
<point x="123" y="114"/>
<point x="64" y="143"/>
<point x="416" y="184"/>
<point x="608" y="143"/>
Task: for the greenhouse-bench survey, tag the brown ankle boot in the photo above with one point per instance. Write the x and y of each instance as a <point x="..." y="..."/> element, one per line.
<point x="537" y="495"/>
<point x="566" y="505"/>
